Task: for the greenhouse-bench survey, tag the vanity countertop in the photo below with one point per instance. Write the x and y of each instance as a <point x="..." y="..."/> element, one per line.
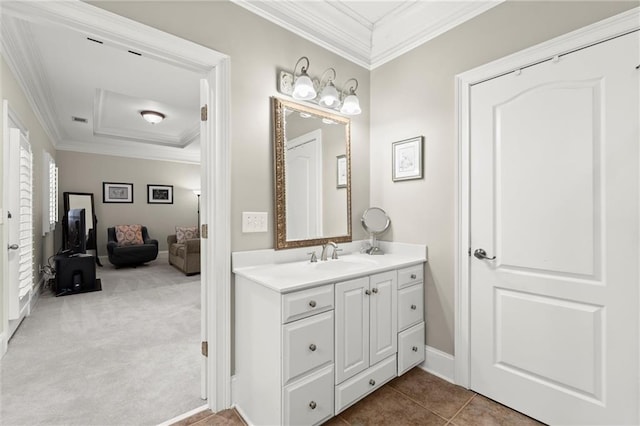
<point x="302" y="274"/>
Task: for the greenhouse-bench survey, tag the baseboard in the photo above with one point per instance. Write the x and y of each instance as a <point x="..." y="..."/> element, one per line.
<point x="232" y="385"/>
<point x="439" y="364"/>
<point x="184" y="415"/>
<point x="35" y="295"/>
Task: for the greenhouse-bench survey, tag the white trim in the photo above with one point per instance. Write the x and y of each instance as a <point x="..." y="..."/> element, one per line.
<point x="600" y="31"/>
<point x="5" y="344"/>
<point x="104" y="25"/>
<point x="439" y="364"/>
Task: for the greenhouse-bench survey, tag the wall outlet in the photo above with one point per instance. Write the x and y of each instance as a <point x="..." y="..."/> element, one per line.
<point x="254" y="222"/>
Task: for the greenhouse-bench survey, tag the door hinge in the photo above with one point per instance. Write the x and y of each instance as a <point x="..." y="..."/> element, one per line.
<point x="469" y="252"/>
<point x="204" y="111"/>
<point x="205" y="349"/>
<point x="204" y="232"/>
<point x="9" y="214"/>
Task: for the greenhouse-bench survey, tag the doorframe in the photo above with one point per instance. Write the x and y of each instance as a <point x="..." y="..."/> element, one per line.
<point x="215" y="161"/>
<point x="611" y="27"/>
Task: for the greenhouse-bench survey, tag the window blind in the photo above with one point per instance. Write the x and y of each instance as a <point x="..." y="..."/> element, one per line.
<point x="25" y="269"/>
<point x="49" y="194"/>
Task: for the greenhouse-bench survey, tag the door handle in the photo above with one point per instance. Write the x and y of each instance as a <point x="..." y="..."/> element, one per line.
<point x="13" y="247"/>
<point x="481" y="254"/>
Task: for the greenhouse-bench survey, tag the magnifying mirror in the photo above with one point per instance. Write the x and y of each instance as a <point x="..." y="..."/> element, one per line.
<point x="375" y="221"/>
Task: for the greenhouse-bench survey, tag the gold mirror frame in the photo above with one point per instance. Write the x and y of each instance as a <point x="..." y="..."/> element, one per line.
<point x="279" y="106"/>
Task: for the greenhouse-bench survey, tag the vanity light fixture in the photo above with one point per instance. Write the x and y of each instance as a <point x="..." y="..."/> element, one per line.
<point x="329" y="96"/>
<point x="153" y="117"/>
<point x="351" y="104"/>
<point x="303" y="86"/>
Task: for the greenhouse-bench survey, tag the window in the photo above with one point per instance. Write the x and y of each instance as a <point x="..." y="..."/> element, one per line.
<point x="50" y="194"/>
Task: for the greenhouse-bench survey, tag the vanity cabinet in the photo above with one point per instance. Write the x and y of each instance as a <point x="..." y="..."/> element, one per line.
<point x="366" y="323"/>
<point x="304" y="355"/>
<point x="284" y="354"/>
<point x="411" y="344"/>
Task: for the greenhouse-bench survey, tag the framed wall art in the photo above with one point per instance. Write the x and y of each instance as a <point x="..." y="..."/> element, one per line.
<point x="407" y="159"/>
<point x="160" y="194"/>
<point x="116" y="192"/>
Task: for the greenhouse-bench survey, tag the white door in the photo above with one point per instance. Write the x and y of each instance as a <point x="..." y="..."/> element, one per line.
<point x="554" y="197"/>
<point x="304" y="185"/>
<point x="352" y="327"/>
<point x="383" y="315"/>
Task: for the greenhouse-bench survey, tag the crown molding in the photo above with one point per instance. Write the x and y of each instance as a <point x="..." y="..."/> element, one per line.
<point x="336" y="27"/>
<point x="159" y="153"/>
<point x="23" y="58"/>
<point x="319" y="23"/>
<point x="403" y="32"/>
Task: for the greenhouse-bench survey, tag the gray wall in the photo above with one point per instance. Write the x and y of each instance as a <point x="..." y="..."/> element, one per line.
<point x="43" y="246"/>
<point x="414" y="95"/>
<point x="257" y="49"/>
<point x="81" y="172"/>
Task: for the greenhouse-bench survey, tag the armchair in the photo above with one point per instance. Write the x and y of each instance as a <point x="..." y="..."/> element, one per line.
<point x="184" y="256"/>
<point x="131" y="255"/>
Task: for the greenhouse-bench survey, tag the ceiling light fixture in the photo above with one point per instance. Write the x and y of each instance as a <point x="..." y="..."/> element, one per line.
<point x="302" y="87"/>
<point x="153" y="117"/>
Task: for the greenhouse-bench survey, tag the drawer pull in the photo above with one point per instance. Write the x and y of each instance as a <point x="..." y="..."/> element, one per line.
<point x="312" y="303"/>
<point x="415" y="349"/>
<point x="372" y="382"/>
<point x="414" y="276"/>
<point x="367" y="292"/>
<point x="413" y="307"/>
<point x="313" y="405"/>
<point x="312" y="347"/>
<point x="374" y="290"/>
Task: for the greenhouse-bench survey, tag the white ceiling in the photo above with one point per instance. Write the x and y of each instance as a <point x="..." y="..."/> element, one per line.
<point x="67" y="75"/>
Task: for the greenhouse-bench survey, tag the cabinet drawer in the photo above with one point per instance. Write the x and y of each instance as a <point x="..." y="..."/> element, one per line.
<point x="304" y="303"/>
<point x="310" y="400"/>
<point x="307" y="344"/>
<point x="410" y="275"/>
<point x="410" y="348"/>
<point x="410" y="306"/>
<point x="352" y="390"/>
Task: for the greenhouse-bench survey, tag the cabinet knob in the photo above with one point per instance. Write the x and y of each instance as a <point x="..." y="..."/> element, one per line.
<point x="312" y="303"/>
<point x="413" y="276"/>
<point x="372" y="382"/>
<point x="312" y="347"/>
<point x="313" y="405"/>
<point x="367" y="292"/>
<point x="413" y="307"/>
<point x="374" y="290"/>
<point x="415" y="349"/>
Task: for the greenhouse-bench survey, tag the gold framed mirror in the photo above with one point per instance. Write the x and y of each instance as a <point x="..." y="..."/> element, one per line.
<point x="312" y="153"/>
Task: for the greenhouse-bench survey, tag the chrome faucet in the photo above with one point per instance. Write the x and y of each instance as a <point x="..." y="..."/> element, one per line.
<point x="323" y="256"/>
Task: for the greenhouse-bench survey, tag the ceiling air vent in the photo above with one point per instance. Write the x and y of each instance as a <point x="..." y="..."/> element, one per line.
<point x="79" y="119"/>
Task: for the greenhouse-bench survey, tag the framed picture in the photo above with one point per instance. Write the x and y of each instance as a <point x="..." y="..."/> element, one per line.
<point x="160" y="194"/>
<point x="115" y="192"/>
<point x="407" y="159"/>
<point x="341" y="167"/>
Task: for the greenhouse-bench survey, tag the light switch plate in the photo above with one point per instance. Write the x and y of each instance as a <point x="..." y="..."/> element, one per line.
<point x="254" y="222"/>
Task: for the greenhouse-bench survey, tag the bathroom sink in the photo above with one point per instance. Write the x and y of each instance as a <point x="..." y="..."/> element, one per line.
<point x="344" y="264"/>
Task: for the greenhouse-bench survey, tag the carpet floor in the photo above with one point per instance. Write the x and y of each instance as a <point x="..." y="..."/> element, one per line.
<point x="126" y="355"/>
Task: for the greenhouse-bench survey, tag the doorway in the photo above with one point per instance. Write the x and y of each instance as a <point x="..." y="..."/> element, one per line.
<point x="215" y="272"/>
<point x="547" y="260"/>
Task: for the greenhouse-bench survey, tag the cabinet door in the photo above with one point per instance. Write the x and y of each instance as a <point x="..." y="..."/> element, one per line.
<point x="352" y="327"/>
<point x="384" y="316"/>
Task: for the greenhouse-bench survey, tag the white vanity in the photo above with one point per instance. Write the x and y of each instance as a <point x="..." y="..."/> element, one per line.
<point x="314" y="338"/>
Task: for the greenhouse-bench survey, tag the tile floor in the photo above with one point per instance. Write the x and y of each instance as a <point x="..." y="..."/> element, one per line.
<point x="416" y="398"/>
